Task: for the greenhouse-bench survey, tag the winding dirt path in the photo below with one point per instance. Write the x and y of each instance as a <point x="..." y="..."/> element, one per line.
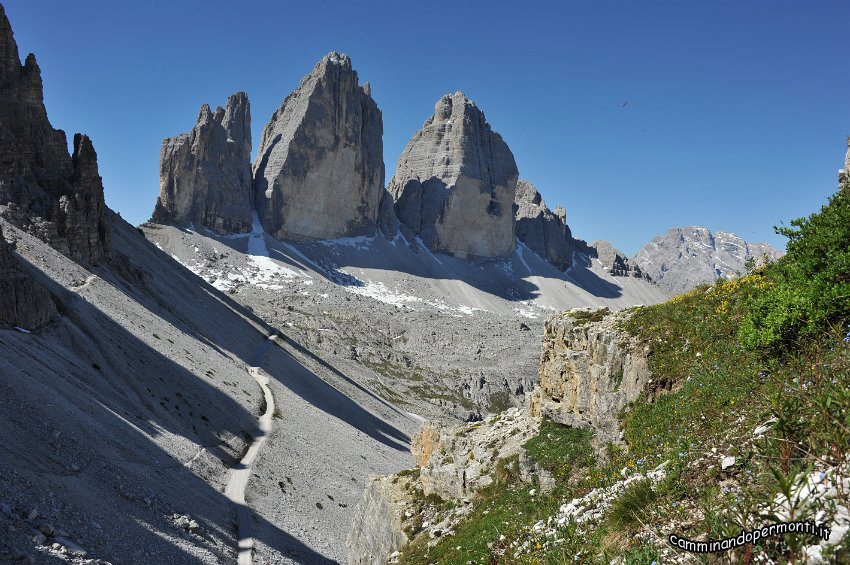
<point x="240" y="475"/>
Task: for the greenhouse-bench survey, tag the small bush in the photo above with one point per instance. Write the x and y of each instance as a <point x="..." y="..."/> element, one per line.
<point x="633" y="507"/>
<point x="583" y="317"/>
<point x="809" y="288"/>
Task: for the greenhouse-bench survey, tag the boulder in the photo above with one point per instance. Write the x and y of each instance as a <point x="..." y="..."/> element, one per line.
<point x="53" y="195"/>
<point x="455" y="183"/>
<point x="538" y="228"/>
<point x="205" y="175"/>
<point x="319" y="172"/>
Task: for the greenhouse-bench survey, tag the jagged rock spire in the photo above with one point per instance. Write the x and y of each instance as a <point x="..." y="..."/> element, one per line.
<point x="205" y="175"/>
<point x="44" y="190"/>
<point x="319" y="171"/>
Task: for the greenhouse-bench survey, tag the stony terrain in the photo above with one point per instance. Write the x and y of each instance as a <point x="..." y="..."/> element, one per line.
<point x="144" y="400"/>
<point x="684" y="258"/>
<point x="205" y="175"/>
<point x="455" y="183"/>
<point x="24" y="303"/>
<point x="443" y="337"/>
<point x="319" y="171"/>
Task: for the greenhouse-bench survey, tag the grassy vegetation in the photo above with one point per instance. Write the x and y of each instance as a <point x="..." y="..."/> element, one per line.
<point x="770" y="347"/>
<point x="393" y="371"/>
<point x="508" y="506"/>
<point x="583" y="317"/>
<point x="560" y="449"/>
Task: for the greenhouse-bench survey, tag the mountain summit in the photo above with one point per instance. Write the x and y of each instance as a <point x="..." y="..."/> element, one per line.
<point x="455" y="183"/>
<point x="687" y="257"/>
<point x="319" y="172"/>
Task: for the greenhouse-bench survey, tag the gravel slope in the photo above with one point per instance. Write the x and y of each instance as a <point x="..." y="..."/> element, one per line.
<point x="123" y="419"/>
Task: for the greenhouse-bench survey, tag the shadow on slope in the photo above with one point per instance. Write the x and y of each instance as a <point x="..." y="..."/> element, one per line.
<point x="292" y="374"/>
<point x="170" y="278"/>
<point x="582" y="275"/>
<point x="83" y="401"/>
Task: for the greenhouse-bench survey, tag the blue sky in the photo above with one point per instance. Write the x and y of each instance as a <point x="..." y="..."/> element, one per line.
<point x="737" y="115"/>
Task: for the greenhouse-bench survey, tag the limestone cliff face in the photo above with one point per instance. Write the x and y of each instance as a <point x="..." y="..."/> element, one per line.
<point x="538" y="228"/>
<point x="455" y="183"/>
<point x="56" y="196"/>
<point x="319" y="172"/>
<point x="589" y="372"/>
<point x="461" y="459"/>
<point x="23" y="302"/>
<point x="376" y="532"/>
<point x="205" y="175"/>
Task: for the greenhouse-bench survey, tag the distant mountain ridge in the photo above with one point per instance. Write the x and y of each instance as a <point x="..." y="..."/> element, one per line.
<point x="684" y="258"/>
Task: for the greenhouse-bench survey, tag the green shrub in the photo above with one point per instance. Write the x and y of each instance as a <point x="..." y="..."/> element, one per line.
<point x="809" y="289"/>
<point x="583" y="317"/>
<point x="560" y="449"/>
<point x="633" y="507"/>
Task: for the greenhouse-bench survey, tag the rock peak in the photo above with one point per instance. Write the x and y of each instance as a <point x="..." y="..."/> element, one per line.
<point x="205" y="175"/>
<point x="684" y="258"/>
<point x="10" y="61"/>
<point x="542" y="231"/>
<point x="319" y="172"/>
<point x="337" y="58"/>
<point x="54" y="196"/>
<point x="455" y="183"/>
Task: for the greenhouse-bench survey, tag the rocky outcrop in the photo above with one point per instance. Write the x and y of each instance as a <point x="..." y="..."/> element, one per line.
<point x="612" y="259"/>
<point x="685" y="258"/>
<point x="844" y="174"/>
<point x="461" y="460"/>
<point x="376" y="532"/>
<point x="453" y="462"/>
<point x="589" y="371"/>
<point x="319" y="172"/>
<point x="205" y="175"/>
<point x="56" y="196"/>
<point x="538" y="228"/>
<point x="455" y="183"/>
<point x="24" y="303"/>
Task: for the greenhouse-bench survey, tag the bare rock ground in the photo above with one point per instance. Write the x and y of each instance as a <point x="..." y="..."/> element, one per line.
<point x="123" y="418"/>
<point x="438" y="336"/>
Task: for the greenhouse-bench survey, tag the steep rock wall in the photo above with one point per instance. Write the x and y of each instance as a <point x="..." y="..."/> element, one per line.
<point x="319" y="172"/>
<point x="53" y="195"/>
<point x="205" y="175"/>
<point x="455" y="183"/>
<point x="589" y="371"/>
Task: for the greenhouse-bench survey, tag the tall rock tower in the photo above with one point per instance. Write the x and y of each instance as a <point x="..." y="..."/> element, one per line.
<point x="455" y="183"/>
<point x="319" y="172"/>
<point x="55" y="196"/>
<point x="205" y="175"/>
